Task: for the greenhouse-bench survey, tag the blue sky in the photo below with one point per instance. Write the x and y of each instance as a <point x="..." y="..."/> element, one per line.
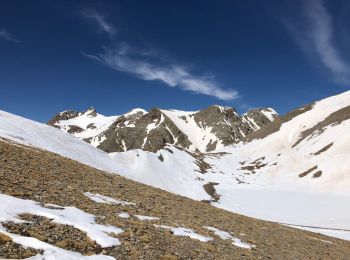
<point x="118" y="55"/>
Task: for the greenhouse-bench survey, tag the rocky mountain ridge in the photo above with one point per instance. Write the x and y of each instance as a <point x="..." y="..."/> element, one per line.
<point x="204" y="130"/>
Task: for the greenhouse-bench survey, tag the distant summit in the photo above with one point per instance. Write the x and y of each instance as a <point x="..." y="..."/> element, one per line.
<point x="204" y="130"/>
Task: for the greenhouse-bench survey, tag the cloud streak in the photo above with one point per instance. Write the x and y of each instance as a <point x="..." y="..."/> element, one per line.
<point x="8" y="36"/>
<point x="100" y="21"/>
<point x="149" y="65"/>
<point x="318" y="40"/>
<point x="321" y="36"/>
<point x="121" y="59"/>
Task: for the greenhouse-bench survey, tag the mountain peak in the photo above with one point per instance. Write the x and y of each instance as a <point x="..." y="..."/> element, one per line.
<point x="64" y="115"/>
<point x="135" y="111"/>
<point x="91" y="112"/>
<point x="221" y="108"/>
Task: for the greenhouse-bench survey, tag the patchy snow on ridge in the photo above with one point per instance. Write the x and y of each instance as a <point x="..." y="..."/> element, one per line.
<point x="90" y="124"/>
<point x="99" y="124"/>
<point x="199" y="136"/>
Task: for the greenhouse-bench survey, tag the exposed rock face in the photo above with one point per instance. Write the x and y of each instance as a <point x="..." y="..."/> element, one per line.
<point x="228" y="126"/>
<point x="222" y="123"/>
<point x="150" y="132"/>
<point x="91" y="112"/>
<point x="74" y="129"/>
<point x="204" y="130"/>
<point x="62" y="116"/>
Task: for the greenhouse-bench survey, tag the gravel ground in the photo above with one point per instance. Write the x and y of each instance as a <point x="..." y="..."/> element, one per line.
<point x="49" y="178"/>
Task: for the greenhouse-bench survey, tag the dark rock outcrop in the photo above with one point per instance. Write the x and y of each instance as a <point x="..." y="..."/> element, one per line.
<point x="150" y="132"/>
<point x="65" y="115"/>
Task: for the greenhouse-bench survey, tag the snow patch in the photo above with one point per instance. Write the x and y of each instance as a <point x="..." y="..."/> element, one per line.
<point x="186" y="232"/>
<point x="270" y="113"/>
<point x="11" y="208"/>
<point x="123" y="215"/>
<point x="227" y="236"/>
<point x="50" y="252"/>
<point x="140" y="217"/>
<point x="107" y="200"/>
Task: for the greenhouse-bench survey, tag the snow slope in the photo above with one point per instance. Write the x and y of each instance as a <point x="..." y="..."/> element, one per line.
<point x="277" y="189"/>
<point x="283" y="157"/>
<point x="176" y="172"/>
<point x="39" y="135"/>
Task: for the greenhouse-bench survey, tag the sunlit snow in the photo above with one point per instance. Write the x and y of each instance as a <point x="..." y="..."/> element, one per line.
<point x="181" y="231"/>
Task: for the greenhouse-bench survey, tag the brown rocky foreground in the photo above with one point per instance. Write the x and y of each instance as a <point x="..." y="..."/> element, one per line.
<point x="30" y="173"/>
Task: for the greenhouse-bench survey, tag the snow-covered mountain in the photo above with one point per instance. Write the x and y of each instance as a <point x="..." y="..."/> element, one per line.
<point x="294" y="170"/>
<point x="205" y="130"/>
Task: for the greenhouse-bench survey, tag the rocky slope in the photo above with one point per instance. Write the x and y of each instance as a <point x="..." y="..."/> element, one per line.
<point x="61" y="209"/>
<point x="205" y="130"/>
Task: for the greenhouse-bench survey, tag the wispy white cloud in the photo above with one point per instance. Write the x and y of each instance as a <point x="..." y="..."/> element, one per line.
<point x="137" y="64"/>
<point x="8" y="36"/>
<point x="100" y="21"/>
<point x="321" y="36"/>
<point x="150" y="65"/>
<point x="316" y="38"/>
